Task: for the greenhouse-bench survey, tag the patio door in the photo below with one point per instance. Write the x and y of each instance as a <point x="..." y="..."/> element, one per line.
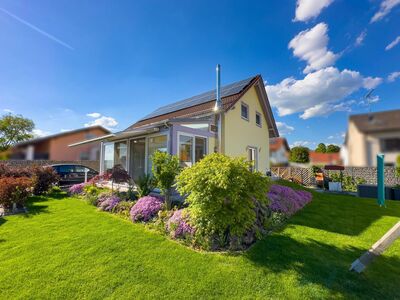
<point x="137" y="158"/>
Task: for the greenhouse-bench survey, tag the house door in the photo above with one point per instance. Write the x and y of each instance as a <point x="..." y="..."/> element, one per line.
<point x="137" y="158"/>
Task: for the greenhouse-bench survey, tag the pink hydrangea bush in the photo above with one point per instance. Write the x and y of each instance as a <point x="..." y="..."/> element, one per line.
<point x="76" y="189"/>
<point x="287" y="201"/>
<point x="107" y="202"/>
<point x="178" y="225"/>
<point x="146" y="208"/>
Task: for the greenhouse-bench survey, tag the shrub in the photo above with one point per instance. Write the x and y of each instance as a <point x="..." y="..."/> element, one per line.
<point x="43" y="179"/>
<point x="14" y="190"/>
<point x="397" y="171"/>
<point x="8" y="171"/>
<point x="165" y="168"/>
<point x="299" y="154"/>
<point x="178" y="225"/>
<point x="348" y="182"/>
<point x="287" y="201"/>
<point x="108" y="203"/>
<point x="146" y="208"/>
<point x="145" y="184"/>
<point x="119" y="174"/>
<point x="76" y="189"/>
<point x="100" y="177"/>
<point x="123" y="208"/>
<point x="221" y="192"/>
<point x="91" y="193"/>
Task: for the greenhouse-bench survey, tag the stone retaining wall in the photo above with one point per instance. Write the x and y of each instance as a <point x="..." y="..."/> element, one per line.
<point x="305" y="175"/>
<point x="94" y="164"/>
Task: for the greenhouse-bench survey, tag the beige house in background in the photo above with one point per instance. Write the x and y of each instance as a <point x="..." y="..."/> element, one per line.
<point x="370" y="134"/>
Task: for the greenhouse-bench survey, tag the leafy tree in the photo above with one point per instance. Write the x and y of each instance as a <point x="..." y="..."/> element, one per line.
<point x="332" y="149"/>
<point x="398" y="166"/>
<point x="299" y="154"/>
<point x="165" y="168"/>
<point x="321" y="148"/>
<point x="14" y="129"/>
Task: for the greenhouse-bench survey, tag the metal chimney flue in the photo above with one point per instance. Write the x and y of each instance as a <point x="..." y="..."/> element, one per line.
<point x="218" y="111"/>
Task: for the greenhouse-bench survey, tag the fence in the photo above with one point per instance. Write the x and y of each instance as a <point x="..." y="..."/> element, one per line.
<point x="94" y="164"/>
<point x="305" y="176"/>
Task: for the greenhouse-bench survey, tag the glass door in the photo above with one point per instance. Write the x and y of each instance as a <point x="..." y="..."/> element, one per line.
<point x="137" y="158"/>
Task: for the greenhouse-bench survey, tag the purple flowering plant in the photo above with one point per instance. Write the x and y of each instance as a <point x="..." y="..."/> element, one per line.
<point x="107" y="202"/>
<point x="77" y="188"/>
<point x="178" y="225"/>
<point x="287" y="201"/>
<point x="146" y="208"/>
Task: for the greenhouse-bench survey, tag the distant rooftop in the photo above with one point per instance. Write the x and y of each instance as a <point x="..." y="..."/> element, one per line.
<point x="377" y="121"/>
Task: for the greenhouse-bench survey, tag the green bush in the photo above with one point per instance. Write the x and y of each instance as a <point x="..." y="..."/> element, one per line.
<point x="123" y="208"/>
<point x="91" y="193"/>
<point x="299" y="154"/>
<point x="165" y="168"/>
<point x="348" y="183"/>
<point x="398" y="167"/>
<point x="221" y="193"/>
<point x="145" y="184"/>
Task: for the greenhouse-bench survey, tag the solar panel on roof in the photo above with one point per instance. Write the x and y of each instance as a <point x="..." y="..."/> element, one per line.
<point x="226" y="90"/>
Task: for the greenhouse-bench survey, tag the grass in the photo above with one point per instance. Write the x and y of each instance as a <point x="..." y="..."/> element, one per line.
<point x="64" y="248"/>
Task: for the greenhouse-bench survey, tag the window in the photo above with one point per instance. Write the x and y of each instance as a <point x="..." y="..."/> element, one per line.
<point x="200" y="148"/>
<point x="191" y="149"/>
<point x="185" y="150"/>
<point x="156" y="143"/>
<point x="390" y="145"/>
<point x="258" y="119"/>
<point x="108" y="162"/>
<point x="252" y="157"/>
<point x="120" y="154"/>
<point x="245" y="111"/>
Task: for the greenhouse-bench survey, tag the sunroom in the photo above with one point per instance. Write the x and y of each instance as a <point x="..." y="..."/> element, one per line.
<point x="189" y="139"/>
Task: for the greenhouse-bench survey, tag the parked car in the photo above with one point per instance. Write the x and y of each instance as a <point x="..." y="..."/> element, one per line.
<point x="72" y="174"/>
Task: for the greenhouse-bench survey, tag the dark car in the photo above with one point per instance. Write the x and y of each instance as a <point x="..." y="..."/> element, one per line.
<point x="71" y="174"/>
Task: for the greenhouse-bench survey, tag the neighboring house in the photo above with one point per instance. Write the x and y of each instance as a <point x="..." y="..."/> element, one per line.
<point x="188" y="129"/>
<point x="279" y="151"/>
<point x="323" y="159"/>
<point x="370" y="134"/>
<point x="55" y="147"/>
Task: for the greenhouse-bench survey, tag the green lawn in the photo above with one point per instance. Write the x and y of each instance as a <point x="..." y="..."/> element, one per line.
<point x="65" y="248"/>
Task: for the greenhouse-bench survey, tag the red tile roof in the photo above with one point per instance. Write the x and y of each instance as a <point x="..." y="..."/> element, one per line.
<point x="325" y="158"/>
<point x="276" y="143"/>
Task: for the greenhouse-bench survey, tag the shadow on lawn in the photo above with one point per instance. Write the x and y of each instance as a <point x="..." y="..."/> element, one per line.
<point x="342" y="214"/>
<point x="325" y="265"/>
<point x="2" y="221"/>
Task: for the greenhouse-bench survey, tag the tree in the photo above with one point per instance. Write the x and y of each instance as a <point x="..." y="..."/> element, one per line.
<point x="299" y="154"/>
<point x="14" y="129"/>
<point x="165" y="168"/>
<point x="321" y="148"/>
<point x="332" y="149"/>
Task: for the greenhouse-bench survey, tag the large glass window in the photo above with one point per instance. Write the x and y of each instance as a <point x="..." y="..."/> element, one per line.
<point x="108" y="162"/>
<point x="120" y="154"/>
<point x="156" y="143"/>
<point x="200" y="148"/>
<point x="252" y="157"/>
<point x="186" y="150"/>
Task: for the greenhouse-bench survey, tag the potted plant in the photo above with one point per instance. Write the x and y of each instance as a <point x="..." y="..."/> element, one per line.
<point x="396" y="188"/>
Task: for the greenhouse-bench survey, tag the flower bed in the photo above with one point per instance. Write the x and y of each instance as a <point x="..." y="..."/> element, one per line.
<point x="178" y="225"/>
<point x="286" y="200"/>
<point x="146" y="208"/>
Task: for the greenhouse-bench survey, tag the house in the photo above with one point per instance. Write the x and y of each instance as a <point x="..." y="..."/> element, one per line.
<point x="279" y="151"/>
<point x="370" y="134"/>
<point x="189" y="129"/>
<point x="55" y="147"/>
<point x="323" y="159"/>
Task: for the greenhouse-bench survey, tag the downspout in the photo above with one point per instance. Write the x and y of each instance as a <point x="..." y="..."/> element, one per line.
<point x="218" y="111"/>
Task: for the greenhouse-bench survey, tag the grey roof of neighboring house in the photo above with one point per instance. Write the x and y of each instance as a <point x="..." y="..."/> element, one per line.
<point x="377" y="121"/>
<point x="226" y="90"/>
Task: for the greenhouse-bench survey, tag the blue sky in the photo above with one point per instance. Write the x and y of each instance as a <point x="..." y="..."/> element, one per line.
<point x="119" y="60"/>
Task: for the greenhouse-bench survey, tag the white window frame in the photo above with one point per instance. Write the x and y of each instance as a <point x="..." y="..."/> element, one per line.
<point x="255" y="149"/>
<point x="259" y="115"/>
<point x="248" y="111"/>
<point x="193" y="136"/>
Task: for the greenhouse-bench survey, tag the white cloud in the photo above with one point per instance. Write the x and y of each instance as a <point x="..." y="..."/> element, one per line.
<point x="325" y="109"/>
<point x="107" y="122"/>
<point x="318" y="92"/>
<point x="40" y="133"/>
<point x="393" y="44"/>
<point x="393" y="76"/>
<point x="7" y="110"/>
<point x="339" y="136"/>
<point x="311" y="46"/>
<point x="308" y="9"/>
<point x="284" y="128"/>
<point x="372" y="82"/>
<point x="360" y="38"/>
<point x="94" y="115"/>
<point x="384" y="9"/>
<point x="300" y="143"/>
<point x="64" y="130"/>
